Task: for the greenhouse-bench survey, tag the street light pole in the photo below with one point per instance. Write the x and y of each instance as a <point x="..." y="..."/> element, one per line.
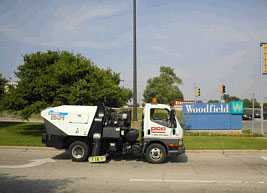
<point x="253" y="115"/>
<point x="261" y="44"/>
<point x="134" y="64"/>
<point x="261" y="88"/>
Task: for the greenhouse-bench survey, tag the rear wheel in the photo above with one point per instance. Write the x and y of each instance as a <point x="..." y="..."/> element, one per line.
<point x="156" y="153"/>
<point x="78" y="151"/>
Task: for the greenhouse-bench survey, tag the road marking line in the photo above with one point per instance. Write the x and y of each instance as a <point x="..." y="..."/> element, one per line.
<point x="33" y="163"/>
<point x="263" y="157"/>
<point x="194" y="181"/>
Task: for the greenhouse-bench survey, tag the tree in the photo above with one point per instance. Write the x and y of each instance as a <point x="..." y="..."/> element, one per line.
<point x="3" y="83"/>
<point x="213" y="101"/>
<point x="248" y="103"/>
<point x="164" y="87"/>
<point x="256" y="104"/>
<point x="62" y="78"/>
<point x="229" y="98"/>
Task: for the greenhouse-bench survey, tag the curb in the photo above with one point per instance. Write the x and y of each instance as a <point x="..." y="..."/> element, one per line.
<point x="29" y="148"/>
<point x="22" y="121"/>
<point x="229" y="152"/>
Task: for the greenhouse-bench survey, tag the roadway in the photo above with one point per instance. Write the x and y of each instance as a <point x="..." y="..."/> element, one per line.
<point x="53" y="171"/>
<point x="247" y="124"/>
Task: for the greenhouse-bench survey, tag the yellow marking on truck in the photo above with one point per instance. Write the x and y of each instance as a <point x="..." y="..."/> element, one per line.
<point x="94" y="159"/>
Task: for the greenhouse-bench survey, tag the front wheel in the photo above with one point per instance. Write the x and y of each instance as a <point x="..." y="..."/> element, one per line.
<point x="155" y="153"/>
<point x="78" y="151"/>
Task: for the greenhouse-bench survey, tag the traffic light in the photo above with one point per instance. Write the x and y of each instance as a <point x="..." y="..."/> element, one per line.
<point x="265" y="51"/>
<point x="198" y="92"/>
<point x="222" y="89"/>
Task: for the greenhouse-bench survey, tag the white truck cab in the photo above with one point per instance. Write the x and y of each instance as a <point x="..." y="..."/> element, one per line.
<point x="157" y="123"/>
<point x="161" y="127"/>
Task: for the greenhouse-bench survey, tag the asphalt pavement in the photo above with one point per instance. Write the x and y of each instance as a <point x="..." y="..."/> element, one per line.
<point x="49" y="170"/>
<point x="247" y="124"/>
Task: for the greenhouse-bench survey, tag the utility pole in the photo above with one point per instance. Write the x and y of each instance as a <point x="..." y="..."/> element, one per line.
<point x="134" y="64"/>
<point x="261" y="89"/>
<point x="261" y="71"/>
<point x="253" y="115"/>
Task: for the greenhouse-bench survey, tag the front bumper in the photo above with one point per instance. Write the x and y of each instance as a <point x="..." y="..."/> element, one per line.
<point x="177" y="151"/>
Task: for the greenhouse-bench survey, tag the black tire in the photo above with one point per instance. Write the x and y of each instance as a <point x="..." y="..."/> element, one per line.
<point x="78" y="151"/>
<point x="155" y="153"/>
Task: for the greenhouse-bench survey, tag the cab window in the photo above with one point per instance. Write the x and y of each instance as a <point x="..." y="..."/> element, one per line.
<point x="159" y="116"/>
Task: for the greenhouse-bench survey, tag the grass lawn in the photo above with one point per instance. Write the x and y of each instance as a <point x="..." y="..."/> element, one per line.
<point x="29" y="134"/>
<point x="21" y="134"/>
<point x="225" y="142"/>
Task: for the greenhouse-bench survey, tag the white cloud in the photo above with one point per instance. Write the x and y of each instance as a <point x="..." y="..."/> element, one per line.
<point x="84" y="12"/>
<point x="70" y="26"/>
<point x="164" y="51"/>
<point x="227" y="64"/>
<point x="226" y="33"/>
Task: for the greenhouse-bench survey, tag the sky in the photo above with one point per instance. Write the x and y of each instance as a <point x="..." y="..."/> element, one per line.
<point x="207" y="42"/>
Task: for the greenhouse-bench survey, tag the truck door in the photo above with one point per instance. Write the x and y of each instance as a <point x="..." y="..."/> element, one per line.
<point x="158" y="124"/>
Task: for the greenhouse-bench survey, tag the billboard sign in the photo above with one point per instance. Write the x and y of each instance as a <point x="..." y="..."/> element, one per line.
<point x="213" y="116"/>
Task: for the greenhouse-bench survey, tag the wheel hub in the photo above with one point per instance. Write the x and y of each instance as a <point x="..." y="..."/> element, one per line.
<point x="77" y="151"/>
<point x="155" y="154"/>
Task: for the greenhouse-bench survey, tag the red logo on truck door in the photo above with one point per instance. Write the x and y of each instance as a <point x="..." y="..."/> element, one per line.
<point x="158" y="129"/>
